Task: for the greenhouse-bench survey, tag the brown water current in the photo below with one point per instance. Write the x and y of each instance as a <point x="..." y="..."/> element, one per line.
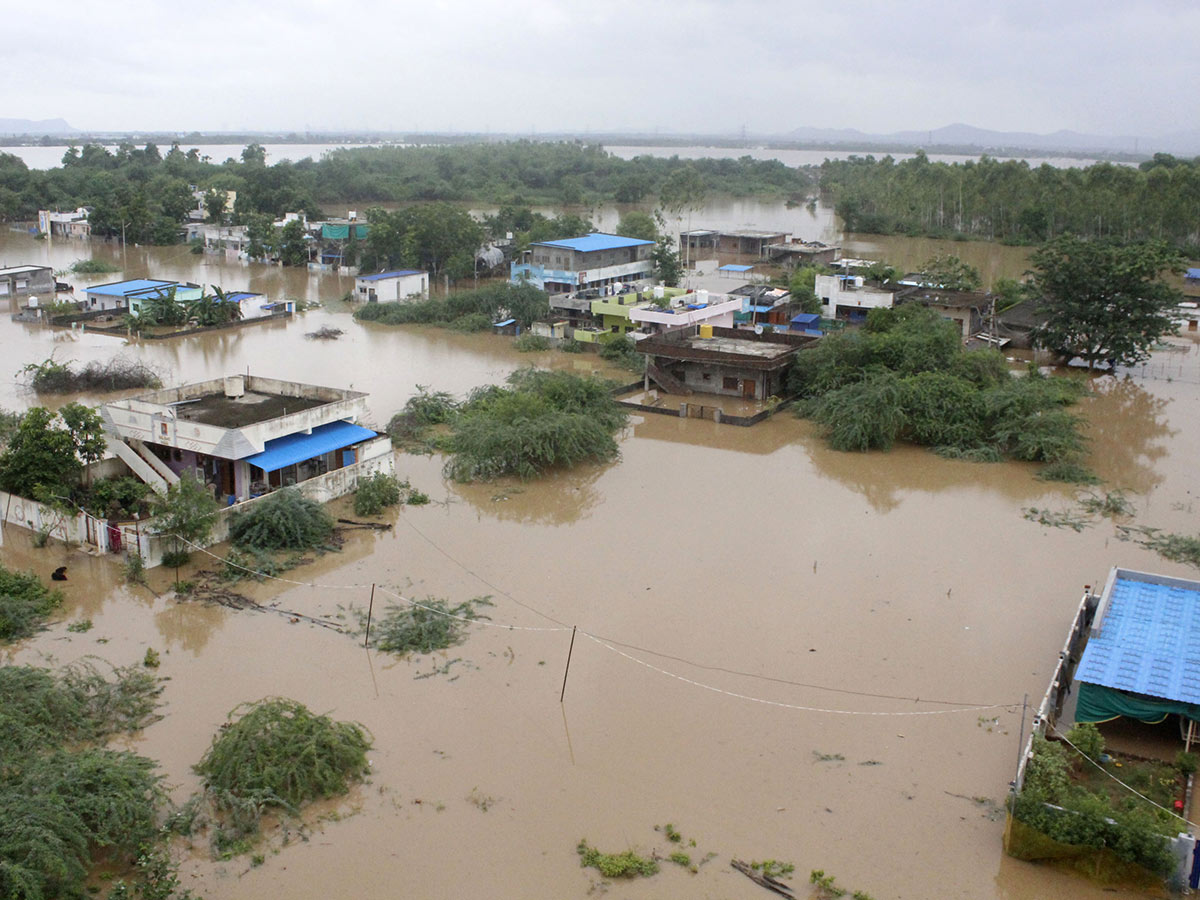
<point x="747" y="600"/>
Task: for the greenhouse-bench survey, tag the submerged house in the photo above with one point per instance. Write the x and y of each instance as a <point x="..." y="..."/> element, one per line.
<point x="247" y="435"/>
<point x="592" y="261"/>
<point x="727" y="361"/>
<point x="968" y="310"/>
<point x="127" y="296"/>
<point x="22" y="281"/>
<point x="399" y="284"/>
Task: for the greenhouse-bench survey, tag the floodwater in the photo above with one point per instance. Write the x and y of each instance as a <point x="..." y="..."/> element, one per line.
<point x="747" y="601"/>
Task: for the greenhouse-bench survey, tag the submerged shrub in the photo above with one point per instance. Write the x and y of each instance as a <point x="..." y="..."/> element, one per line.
<point x="432" y="625"/>
<point x="867" y="415"/>
<point x="279" y="754"/>
<point x="375" y="493"/>
<point x="25" y="603"/>
<point x="284" y="520"/>
<point x="615" y="865"/>
<point x="543" y="420"/>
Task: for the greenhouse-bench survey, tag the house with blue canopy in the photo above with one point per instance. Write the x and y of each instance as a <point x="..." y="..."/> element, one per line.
<point x="244" y="436"/>
<point x="1142" y="656"/>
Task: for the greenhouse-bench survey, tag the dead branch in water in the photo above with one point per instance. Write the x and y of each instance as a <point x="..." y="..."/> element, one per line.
<point x="325" y="333"/>
<point x="378" y="526"/>
<point x="761" y="878"/>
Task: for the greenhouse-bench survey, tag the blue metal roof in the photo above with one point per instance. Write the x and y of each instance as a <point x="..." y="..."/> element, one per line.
<point x="1149" y="640"/>
<point x="597" y="240"/>
<point x="806" y="318"/>
<point x="133" y="286"/>
<point x="396" y="274"/>
<point x="1192" y="275"/>
<point x="239" y="296"/>
<point x="294" y="448"/>
<point x="730" y="267"/>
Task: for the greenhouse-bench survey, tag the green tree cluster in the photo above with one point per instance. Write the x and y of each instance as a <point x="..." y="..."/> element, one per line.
<point x="905" y="376"/>
<point x="146" y="194"/>
<point x="437" y="237"/>
<point x="539" y="421"/>
<point x="1013" y="201"/>
<point x="46" y="454"/>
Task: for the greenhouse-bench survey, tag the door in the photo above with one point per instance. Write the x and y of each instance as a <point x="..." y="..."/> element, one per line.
<point x="748" y="389"/>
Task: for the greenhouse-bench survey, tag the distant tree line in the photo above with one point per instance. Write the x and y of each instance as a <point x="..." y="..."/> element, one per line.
<point x="1014" y="202"/>
<point x="147" y="193"/>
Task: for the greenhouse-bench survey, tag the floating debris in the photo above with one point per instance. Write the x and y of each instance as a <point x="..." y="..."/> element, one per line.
<point x="325" y="333"/>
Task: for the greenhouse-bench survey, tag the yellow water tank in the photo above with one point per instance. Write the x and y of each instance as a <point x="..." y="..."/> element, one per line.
<point x="706" y="331"/>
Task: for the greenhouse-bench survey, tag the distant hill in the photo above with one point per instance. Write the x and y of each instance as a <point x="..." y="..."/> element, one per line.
<point x="34" y="127"/>
<point x="959" y="135"/>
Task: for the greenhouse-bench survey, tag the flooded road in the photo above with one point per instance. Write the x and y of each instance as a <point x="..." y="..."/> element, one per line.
<point x="785" y="651"/>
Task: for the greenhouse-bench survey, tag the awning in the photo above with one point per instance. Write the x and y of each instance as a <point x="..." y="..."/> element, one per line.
<point x="294" y="448"/>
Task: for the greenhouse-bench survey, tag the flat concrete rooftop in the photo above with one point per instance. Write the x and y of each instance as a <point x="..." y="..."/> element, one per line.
<point x="238" y="412"/>
<point x="741" y="346"/>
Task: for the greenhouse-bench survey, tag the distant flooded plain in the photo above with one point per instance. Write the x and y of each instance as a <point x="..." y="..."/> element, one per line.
<point x="784" y="651"/>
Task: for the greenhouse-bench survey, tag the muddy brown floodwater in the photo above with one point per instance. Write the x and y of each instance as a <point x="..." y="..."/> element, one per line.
<point x="785" y="651"/>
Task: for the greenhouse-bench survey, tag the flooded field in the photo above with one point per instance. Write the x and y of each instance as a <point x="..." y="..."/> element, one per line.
<point x="785" y="651"/>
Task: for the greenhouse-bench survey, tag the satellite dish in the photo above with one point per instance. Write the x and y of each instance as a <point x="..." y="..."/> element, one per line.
<point x="758" y="329"/>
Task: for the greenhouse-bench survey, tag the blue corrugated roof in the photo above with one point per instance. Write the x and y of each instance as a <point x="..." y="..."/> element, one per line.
<point x="294" y="448"/>
<point x="239" y="296"/>
<point x="730" y="267"/>
<point x="125" y="288"/>
<point x="1149" y="641"/>
<point x="597" y="240"/>
<point x="398" y="273"/>
<point x="502" y="324"/>
<point x="806" y="318"/>
<point x="1193" y="275"/>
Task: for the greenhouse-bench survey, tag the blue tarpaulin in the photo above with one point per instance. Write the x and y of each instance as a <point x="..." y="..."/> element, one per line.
<point x="294" y="448"/>
<point x="732" y="268"/>
<point x="1192" y="275"/>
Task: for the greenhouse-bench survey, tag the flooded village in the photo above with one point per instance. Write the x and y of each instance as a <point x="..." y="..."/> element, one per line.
<point x="773" y="649"/>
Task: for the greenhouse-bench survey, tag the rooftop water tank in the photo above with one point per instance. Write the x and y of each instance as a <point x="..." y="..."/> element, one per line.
<point x="235" y="386"/>
<point x="659" y="292"/>
<point x="858" y="281"/>
<point x="706" y="331"/>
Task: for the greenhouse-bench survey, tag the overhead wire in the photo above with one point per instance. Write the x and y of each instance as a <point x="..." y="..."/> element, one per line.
<point x="612" y="644"/>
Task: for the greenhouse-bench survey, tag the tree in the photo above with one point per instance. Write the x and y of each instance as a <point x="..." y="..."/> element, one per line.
<point x="803" y="289"/>
<point x="640" y="225"/>
<point x="1104" y="302"/>
<point x="215" y="202"/>
<point x="293" y="248"/>
<point x="950" y="273"/>
<point x="188" y="512"/>
<point x="86" y="429"/>
<point x="40" y="461"/>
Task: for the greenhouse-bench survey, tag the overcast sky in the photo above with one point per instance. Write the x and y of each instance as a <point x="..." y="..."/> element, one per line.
<point x="545" y="65"/>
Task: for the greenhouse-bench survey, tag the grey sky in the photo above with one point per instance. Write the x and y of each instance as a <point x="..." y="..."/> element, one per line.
<point x="545" y="65"/>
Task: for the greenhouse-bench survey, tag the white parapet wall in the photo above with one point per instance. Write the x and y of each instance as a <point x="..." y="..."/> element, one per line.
<point x="95" y="535"/>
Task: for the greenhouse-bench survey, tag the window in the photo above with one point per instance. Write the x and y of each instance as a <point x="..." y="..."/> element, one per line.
<point x="616" y="329"/>
<point x="729" y="384"/>
<point x="706" y="376"/>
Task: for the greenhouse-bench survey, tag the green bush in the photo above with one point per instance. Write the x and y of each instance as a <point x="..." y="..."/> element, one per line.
<point x="528" y="342"/>
<point x="1087" y="740"/>
<point x="25" y="603"/>
<point x="473" y="310"/>
<point x="866" y="415"/>
<point x="279" y="754"/>
<point x="283" y="520"/>
<point x="543" y="420"/>
<point x="375" y="493"/>
<point x="615" y="865"/>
